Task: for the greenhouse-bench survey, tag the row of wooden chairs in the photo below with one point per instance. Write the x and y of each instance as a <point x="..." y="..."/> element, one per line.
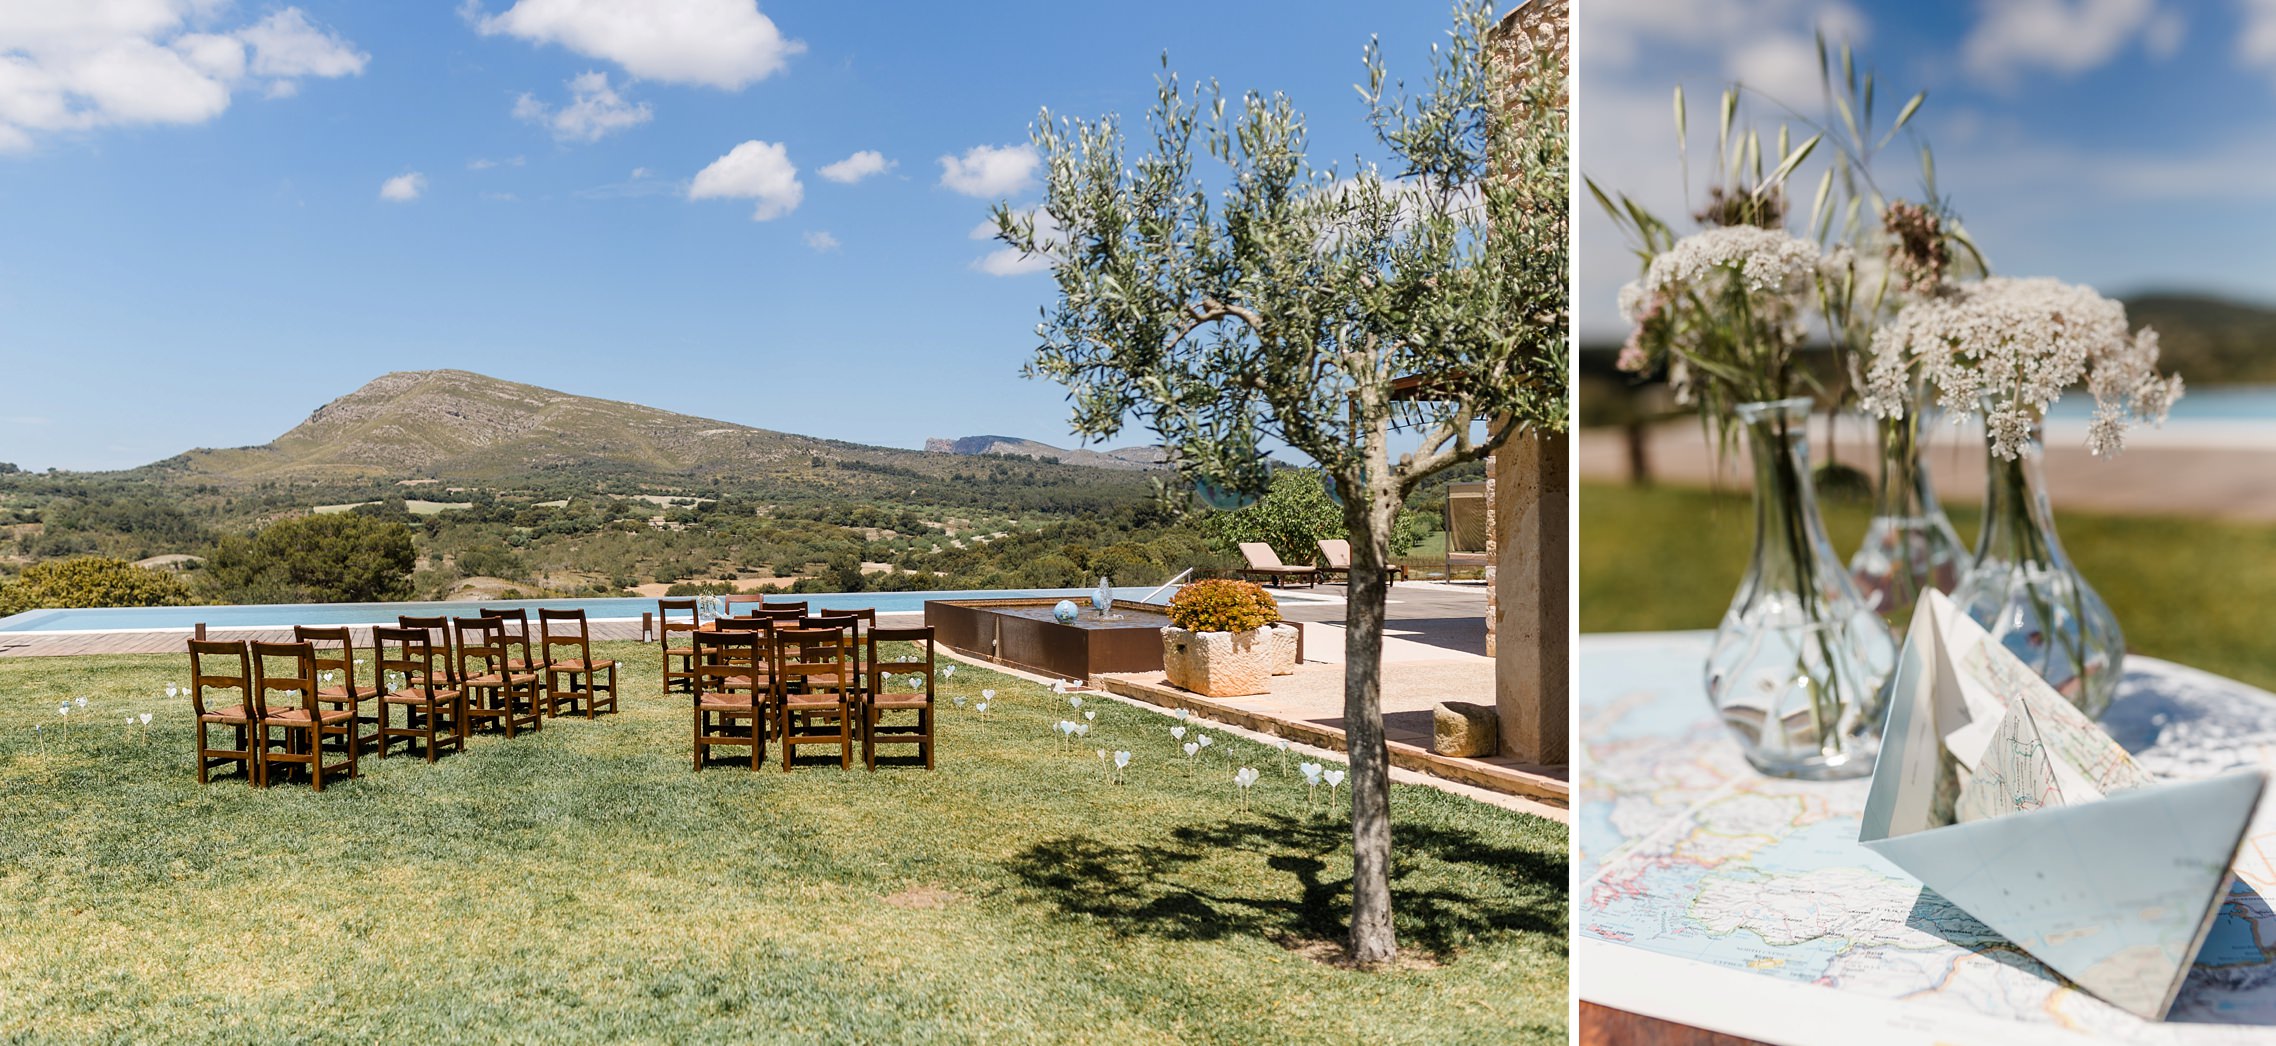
<point x="445" y="675"/>
<point x="809" y="681"/>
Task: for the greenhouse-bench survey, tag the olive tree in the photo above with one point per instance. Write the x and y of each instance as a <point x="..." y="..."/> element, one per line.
<point x="1366" y="319"/>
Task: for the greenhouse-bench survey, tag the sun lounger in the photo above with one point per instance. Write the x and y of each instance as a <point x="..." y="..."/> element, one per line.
<point x="1264" y="563"/>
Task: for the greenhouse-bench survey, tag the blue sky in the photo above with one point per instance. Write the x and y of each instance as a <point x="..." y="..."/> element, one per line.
<point x="219" y="215"/>
<point x="2127" y="144"/>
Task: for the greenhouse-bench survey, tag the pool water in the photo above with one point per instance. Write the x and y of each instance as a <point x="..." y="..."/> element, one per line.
<point x="286" y="615"/>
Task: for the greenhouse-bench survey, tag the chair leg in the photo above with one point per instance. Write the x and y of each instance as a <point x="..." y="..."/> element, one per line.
<point x="202" y="746"/>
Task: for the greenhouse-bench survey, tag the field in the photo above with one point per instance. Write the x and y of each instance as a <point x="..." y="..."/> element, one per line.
<point x="2185" y="590"/>
<point x="581" y="883"/>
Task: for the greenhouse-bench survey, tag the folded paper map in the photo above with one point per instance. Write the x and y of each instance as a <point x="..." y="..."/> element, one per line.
<point x="2002" y="797"/>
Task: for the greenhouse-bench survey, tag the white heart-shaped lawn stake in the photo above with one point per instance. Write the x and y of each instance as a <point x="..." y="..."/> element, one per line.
<point x="1335" y="777"/>
<point x="146" y="719"/>
<point x="948" y="671"/>
<point x="987" y="695"/>
<point x="1121" y="759"/>
<point x="1191" y="748"/>
<point x="1082" y="729"/>
<point x="63" y="710"/>
<point x="1093" y="714"/>
<point x="957" y="700"/>
<point x="981" y="707"/>
<point x="81" y="702"/>
<point x="1311" y="772"/>
<point x="1284" y="744"/>
<point x="1177" y="733"/>
<point x="1074" y="702"/>
<point x="1205" y="740"/>
<point x="1246" y="777"/>
<point x="172" y="691"/>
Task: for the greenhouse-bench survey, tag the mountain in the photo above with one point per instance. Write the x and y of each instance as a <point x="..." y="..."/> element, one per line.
<point x="454" y="425"/>
<point x="1122" y="458"/>
<point x="2208" y="340"/>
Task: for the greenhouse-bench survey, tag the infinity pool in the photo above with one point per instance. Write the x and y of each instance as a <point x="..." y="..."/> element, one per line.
<point x="285" y="615"/>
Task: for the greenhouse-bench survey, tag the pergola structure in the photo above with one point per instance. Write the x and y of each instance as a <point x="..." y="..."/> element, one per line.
<point x="1528" y="489"/>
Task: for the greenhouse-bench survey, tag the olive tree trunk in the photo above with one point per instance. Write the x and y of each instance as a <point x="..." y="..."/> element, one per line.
<point x="1369" y="517"/>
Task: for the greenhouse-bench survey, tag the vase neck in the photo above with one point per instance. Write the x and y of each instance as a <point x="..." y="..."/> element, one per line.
<point x="1905" y="489"/>
<point x="2018" y="525"/>
<point x="1789" y="539"/>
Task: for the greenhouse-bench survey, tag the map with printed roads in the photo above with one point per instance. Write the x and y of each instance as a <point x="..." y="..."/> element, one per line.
<point x="1685" y="851"/>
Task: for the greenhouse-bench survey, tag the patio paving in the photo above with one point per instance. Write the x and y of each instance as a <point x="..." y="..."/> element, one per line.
<point x="1433" y="650"/>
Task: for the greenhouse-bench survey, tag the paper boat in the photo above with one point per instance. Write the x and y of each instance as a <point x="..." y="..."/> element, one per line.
<point x="2002" y="797"/>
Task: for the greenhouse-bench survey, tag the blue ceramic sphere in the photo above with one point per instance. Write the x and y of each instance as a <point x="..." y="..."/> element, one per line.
<point x="1065" y="612"/>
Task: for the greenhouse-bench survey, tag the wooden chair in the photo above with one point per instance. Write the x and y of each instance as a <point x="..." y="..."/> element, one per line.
<point x="729" y="604"/>
<point x="815" y="693"/>
<point x="1335" y="561"/>
<point x="336" y="652"/>
<point x="438" y="636"/>
<point x="494" y="692"/>
<point x="760" y="676"/>
<point x="241" y="718"/>
<point x="518" y="638"/>
<point x="1263" y="562"/>
<point x="302" y="717"/>
<point x="730" y="704"/>
<point x="580" y="679"/>
<point x="667" y="629"/>
<point x="882" y="698"/>
<point x="434" y="711"/>
<point x="862" y="621"/>
<point x="785" y="606"/>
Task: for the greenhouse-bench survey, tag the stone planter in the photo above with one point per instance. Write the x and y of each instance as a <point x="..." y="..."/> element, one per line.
<point x="1220" y="664"/>
<point x="1284" y="647"/>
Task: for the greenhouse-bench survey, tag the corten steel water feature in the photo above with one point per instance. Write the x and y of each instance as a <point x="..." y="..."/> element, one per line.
<point x="1022" y="634"/>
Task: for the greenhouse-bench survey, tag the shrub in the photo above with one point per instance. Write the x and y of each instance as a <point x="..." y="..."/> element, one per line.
<point x="337" y="558"/>
<point x="91" y="581"/>
<point x="1294" y="514"/>
<point x="1222" y="605"/>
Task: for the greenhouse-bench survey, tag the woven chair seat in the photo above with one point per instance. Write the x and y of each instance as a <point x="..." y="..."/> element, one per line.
<point x="300" y="715"/>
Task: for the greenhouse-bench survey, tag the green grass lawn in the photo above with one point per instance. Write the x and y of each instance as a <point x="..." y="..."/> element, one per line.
<point x="581" y="883"/>
<point x="2184" y="590"/>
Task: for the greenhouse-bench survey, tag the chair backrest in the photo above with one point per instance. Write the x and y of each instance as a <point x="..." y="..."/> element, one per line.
<point x="410" y="653"/>
<point x="240" y="680"/>
<point x="883" y="671"/>
<point x="754" y="623"/>
<point x="517" y="629"/>
<point x="335" y="651"/>
<point x="438" y="634"/>
<point x="731" y="602"/>
<point x="820" y="655"/>
<point x="284" y="668"/>
<point x="1259" y="555"/>
<point x="726" y="660"/>
<point x="1335" y="553"/>
<point x="480" y="639"/>
<point x="798" y="605"/>
<point x="665" y="608"/>
<point x="564" y="628"/>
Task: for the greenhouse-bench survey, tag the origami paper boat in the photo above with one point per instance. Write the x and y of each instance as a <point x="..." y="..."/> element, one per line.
<point x="2002" y="797"/>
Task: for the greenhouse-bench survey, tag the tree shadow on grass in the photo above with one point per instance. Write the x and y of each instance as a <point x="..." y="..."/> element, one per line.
<point x="1151" y="888"/>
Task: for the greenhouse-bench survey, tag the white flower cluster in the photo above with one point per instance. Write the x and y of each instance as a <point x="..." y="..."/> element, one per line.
<point x="1766" y="260"/>
<point x="2008" y="348"/>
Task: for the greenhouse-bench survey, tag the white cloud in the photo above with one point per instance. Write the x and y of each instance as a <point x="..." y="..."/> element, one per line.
<point x="1618" y="30"/>
<point x="484" y="163"/>
<point x="857" y="167"/>
<point x="1010" y="261"/>
<point x="100" y="63"/>
<point x="2164" y="35"/>
<point x="595" y="111"/>
<point x="286" y="45"/>
<point x="821" y="241"/>
<point x="403" y="188"/>
<point x="990" y="170"/>
<point x="639" y="173"/>
<point x="2256" y="44"/>
<point x="2060" y="36"/>
<point x="754" y="170"/>
<point x="719" y="43"/>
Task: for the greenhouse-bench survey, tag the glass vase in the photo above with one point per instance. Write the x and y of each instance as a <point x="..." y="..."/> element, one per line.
<point x="2024" y="591"/>
<point x="1798" y="664"/>
<point x="1910" y="546"/>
